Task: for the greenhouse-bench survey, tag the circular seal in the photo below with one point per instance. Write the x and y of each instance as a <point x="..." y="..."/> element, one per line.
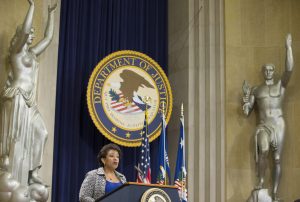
<point x="117" y="90"/>
<point x="155" y="195"/>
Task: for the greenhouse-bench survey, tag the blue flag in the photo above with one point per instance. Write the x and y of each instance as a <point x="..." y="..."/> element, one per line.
<point x="180" y="170"/>
<point x="163" y="176"/>
<point x="144" y="169"/>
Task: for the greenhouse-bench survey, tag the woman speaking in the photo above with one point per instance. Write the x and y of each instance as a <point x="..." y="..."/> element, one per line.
<point x="104" y="179"/>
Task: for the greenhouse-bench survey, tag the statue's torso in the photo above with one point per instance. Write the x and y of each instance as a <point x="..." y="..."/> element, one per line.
<point x="269" y="100"/>
<point x="24" y="70"/>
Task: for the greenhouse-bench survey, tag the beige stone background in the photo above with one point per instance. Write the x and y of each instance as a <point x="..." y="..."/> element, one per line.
<point x="255" y="33"/>
<point x="12" y="14"/>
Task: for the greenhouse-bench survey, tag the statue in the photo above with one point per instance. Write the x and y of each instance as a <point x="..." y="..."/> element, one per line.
<point x="22" y="130"/>
<point x="270" y="131"/>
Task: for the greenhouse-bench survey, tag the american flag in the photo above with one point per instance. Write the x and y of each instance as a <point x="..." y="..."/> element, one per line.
<point x="144" y="170"/>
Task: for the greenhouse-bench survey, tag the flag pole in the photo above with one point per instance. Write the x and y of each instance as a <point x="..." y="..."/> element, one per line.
<point x="164" y="139"/>
<point x="183" y="158"/>
<point x="146" y="101"/>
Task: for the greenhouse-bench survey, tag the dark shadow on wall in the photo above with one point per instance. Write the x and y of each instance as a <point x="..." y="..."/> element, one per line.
<point x="3" y="58"/>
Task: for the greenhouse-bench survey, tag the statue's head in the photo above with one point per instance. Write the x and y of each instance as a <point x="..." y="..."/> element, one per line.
<point x="268" y="71"/>
<point x="18" y="34"/>
<point x="31" y="36"/>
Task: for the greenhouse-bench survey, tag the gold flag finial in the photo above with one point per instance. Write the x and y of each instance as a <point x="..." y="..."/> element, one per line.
<point x="146" y="100"/>
<point x="182" y="109"/>
<point x="163" y="108"/>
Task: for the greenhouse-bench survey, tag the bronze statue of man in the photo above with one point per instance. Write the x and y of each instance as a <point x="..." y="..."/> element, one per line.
<point x="270" y="131"/>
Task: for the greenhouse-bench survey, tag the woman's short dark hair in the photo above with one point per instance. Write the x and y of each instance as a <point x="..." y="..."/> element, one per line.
<point x="105" y="149"/>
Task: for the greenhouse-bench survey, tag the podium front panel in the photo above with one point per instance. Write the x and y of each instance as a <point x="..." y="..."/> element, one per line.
<point x="133" y="192"/>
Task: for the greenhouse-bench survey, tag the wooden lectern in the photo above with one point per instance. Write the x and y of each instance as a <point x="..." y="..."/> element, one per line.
<point x="135" y="192"/>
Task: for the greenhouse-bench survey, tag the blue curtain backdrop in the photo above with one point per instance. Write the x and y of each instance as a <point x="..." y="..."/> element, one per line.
<point x="90" y="30"/>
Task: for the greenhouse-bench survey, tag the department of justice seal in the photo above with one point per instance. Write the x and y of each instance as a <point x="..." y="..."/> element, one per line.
<point x="155" y="195"/>
<point x="116" y="96"/>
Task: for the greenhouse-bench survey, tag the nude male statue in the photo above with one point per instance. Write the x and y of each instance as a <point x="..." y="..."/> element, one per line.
<point x="270" y="131"/>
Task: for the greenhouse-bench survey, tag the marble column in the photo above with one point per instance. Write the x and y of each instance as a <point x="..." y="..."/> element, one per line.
<point x="198" y="66"/>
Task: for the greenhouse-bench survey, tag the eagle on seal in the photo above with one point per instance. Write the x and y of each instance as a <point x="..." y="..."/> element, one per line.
<point x="130" y="84"/>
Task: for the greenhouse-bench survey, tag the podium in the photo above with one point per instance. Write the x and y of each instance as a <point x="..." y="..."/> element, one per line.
<point x="133" y="192"/>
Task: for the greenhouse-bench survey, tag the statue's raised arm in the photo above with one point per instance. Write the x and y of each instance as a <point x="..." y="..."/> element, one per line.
<point x="289" y="61"/>
<point x="44" y="43"/>
<point x="23" y="31"/>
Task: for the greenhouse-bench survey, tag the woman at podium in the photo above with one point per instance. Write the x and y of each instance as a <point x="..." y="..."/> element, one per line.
<point x="104" y="179"/>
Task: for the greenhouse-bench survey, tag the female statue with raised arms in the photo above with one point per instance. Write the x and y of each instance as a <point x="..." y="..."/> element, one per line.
<point x="22" y="130"/>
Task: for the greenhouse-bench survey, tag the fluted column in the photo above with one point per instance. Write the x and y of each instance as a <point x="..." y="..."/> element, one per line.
<point x="206" y="159"/>
<point x="196" y="71"/>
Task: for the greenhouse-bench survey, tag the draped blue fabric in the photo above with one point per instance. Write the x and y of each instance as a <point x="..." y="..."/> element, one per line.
<point x="90" y="30"/>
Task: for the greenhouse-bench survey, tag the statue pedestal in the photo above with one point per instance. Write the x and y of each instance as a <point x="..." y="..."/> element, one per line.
<point x="12" y="191"/>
